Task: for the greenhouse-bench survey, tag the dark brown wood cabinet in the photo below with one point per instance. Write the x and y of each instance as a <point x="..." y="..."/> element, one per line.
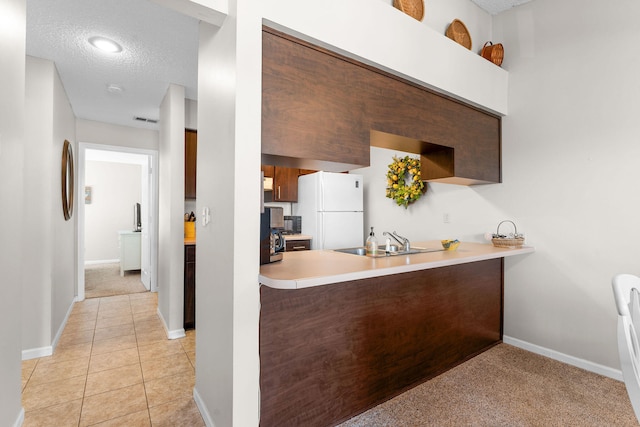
<point x="190" y="163"/>
<point x="268" y="170"/>
<point x="285" y="183"/>
<point x="189" y="286"/>
<point x="311" y="114"/>
<point x="330" y="352"/>
<point x="322" y="110"/>
<point x="297" y="245"/>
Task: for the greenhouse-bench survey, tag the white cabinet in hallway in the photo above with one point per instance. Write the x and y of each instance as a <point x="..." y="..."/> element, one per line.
<point x="129" y="243"/>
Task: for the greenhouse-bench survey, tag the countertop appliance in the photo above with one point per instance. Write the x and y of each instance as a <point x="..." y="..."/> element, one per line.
<point x="272" y="242"/>
<point x="331" y="208"/>
<point x="292" y="224"/>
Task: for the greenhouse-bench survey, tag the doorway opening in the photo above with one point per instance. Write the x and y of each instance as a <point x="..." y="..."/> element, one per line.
<point x="108" y="230"/>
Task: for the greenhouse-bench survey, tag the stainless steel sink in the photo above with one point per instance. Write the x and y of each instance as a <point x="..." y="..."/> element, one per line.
<point x="361" y="250"/>
<point x="353" y="251"/>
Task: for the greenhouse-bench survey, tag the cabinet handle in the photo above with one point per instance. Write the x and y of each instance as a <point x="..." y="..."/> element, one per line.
<point x="278" y="192"/>
<point x="299" y="247"/>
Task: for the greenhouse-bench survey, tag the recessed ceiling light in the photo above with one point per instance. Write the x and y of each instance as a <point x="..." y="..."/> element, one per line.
<point x="105" y="44"/>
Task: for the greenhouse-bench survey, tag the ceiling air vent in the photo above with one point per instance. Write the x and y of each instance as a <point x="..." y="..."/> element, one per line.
<point x="144" y="119"/>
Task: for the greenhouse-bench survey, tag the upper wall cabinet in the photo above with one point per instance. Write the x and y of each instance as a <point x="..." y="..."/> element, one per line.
<point x="323" y="111"/>
<point x="285" y="183"/>
<point x="312" y="117"/>
<point x="190" y="162"/>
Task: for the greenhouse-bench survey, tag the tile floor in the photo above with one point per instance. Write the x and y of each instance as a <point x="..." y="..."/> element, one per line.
<point x="113" y="366"/>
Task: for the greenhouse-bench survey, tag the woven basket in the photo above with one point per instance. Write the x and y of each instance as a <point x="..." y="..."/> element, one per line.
<point x="514" y="240"/>
<point x="458" y="32"/>
<point x="413" y="8"/>
<point x="493" y="52"/>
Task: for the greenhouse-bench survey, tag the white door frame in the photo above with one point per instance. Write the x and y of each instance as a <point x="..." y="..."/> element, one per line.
<point x="152" y="221"/>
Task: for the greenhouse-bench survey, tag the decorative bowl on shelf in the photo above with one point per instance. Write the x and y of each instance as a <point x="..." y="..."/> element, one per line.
<point x="458" y="32"/>
<point x="450" y="245"/>
<point x="413" y="8"/>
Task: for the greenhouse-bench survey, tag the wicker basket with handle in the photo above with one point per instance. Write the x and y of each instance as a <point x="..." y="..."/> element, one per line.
<point x="413" y="8"/>
<point x="513" y="240"/>
<point x="493" y="52"/>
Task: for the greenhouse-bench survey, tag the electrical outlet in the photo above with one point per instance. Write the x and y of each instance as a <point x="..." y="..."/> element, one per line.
<point x="446" y="218"/>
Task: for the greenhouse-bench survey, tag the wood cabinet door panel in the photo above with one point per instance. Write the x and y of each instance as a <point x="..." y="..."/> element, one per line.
<point x="330" y="352"/>
<point x="297" y="245"/>
<point x="268" y="170"/>
<point x="190" y="163"/>
<point x="189" y="287"/>
<point x="310" y="107"/>
<point x="285" y="185"/>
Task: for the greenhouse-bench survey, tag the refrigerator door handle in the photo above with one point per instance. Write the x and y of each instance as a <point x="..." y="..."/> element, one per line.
<point x="321" y="194"/>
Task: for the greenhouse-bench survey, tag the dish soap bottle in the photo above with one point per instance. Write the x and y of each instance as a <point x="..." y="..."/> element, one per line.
<point x="372" y="244"/>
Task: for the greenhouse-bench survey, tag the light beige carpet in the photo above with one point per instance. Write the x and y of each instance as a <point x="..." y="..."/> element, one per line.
<point x="507" y="386"/>
<point x="104" y="280"/>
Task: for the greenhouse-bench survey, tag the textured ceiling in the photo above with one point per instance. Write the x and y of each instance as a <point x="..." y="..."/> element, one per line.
<point x="160" y="46"/>
<point x="496" y="6"/>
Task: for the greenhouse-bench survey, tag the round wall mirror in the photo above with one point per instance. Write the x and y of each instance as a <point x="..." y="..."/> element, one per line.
<point x="67" y="180"/>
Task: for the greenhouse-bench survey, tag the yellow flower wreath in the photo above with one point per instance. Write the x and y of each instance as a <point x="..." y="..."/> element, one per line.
<point x="404" y="184"/>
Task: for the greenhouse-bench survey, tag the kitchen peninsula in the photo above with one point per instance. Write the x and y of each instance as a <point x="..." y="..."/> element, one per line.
<point x="341" y="333"/>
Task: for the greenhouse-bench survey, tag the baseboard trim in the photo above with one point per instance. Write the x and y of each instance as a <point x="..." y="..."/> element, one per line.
<point x="177" y="333"/>
<point x="565" y="358"/>
<point x="101" y="261"/>
<point x="34" y="353"/>
<point x="171" y="334"/>
<point x="208" y="421"/>
<point x="63" y="324"/>
<point x="20" y="421"/>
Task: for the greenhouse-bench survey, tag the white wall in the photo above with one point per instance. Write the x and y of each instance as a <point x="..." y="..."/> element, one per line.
<point x="65" y="252"/>
<point x="49" y="270"/>
<point x="227" y="311"/>
<point x="37" y="290"/>
<point x="570" y="151"/>
<point x="214" y="277"/>
<point x="171" y="214"/>
<point x="470" y="214"/>
<point x="116" y="188"/>
<point x="12" y="245"/>
<point x="439" y="14"/>
<point x="108" y="134"/>
<point x="191" y="114"/>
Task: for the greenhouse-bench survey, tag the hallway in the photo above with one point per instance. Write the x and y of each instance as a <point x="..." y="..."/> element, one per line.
<point x="113" y="366"/>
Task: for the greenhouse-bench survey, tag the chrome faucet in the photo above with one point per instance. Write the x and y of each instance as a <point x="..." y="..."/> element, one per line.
<point x="398" y="238"/>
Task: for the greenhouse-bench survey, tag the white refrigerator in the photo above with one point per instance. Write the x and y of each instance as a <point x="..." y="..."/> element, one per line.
<point x="330" y="205"/>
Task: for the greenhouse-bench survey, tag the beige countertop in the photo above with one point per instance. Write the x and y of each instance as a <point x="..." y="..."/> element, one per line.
<point x="296" y="237"/>
<point x="315" y="268"/>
